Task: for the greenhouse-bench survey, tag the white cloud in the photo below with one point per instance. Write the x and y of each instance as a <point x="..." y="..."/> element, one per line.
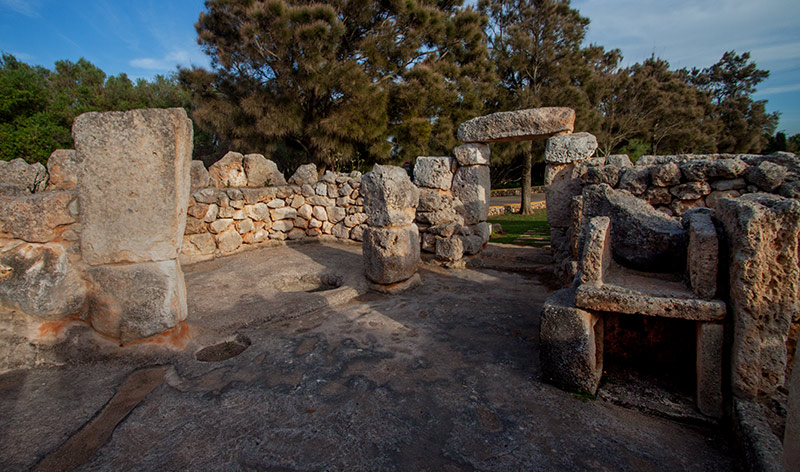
<point x="23" y="7"/>
<point x="777" y="90"/>
<point x="170" y="60"/>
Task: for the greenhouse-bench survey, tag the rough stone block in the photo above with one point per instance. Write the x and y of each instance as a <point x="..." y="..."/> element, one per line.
<point x="62" y="168"/>
<point x="434" y="199"/>
<point x="449" y="249"/>
<point x="36" y="218"/>
<point x="198" y="244"/>
<point x="262" y="172"/>
<point x="709" y="368"/>
<point x="134" y="301"/>
<point x="472" y="187"/>
<point x="571" y="344"/>
<point x="617" y="299"/>
<point x="658" y="196"/>
<point x="619" y="160"/>
<point x="702" y="254"/>
<point x="199" y="175"/>
<point x="390" y="254"/>
<point x="762" y="232"/>
<point x="679" y="207"/>
<point x="229" y="240"/>
<point x="596" y="255"/>
<point x="690" y="190"/>
<point x="767" y="176"/>
<point x="715" y="196"/>
<point x="521" y="125"/>
<point x="728" y="168"/>
<point x="228" y="171"/>
<point x="569" y="148"/>
<point x="791" y="436"/>
<point x="729" y="184"/>
<point x="133" y="216"/>
<point x="697" y="170"/>
<point x="607" y="174"/>
<point x="666" y="175"/>
<point x="41" y="281"/>
<point x="389" y="197"/>
<point x="634" y="179"/>
<point x="17" y="173"/>
<point x="482" y="229"/>
<point x="304" y="175"/>
<point x="562" y="185"/>
<point x="472" y="154"/>
<point x="433" y="172"/>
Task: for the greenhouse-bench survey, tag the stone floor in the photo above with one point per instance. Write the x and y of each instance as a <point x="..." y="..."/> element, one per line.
<point x="444" y="377"/>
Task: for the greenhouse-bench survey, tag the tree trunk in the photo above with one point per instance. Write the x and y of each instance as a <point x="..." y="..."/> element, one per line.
<point x="525" y="206"/>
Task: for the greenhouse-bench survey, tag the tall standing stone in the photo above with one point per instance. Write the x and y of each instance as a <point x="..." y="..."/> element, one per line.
<point x="762" y="235"/>
<point x="133" y="190"/>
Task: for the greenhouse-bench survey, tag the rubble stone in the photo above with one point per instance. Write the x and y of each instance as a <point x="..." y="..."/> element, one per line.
<point x="62" y="169"/>
<point x="304" y="175"/>
<point x="38" y="217"/>
<point x="199" y="175"/>
<point x="569" y="148"/>
<point x="18" y="173"/>
<point x="634" y="179"/>
<point x="767" y="176"/>
<point x="228" y="171"/>
<point x="433" y="172"/>
<point x="472" y="154"/>
<point x="666" y="175"/>
<point x="449" y="249"/>
<point x="262" y="172"/>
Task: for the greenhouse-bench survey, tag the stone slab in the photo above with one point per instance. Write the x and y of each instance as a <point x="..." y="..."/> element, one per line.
<point x="596" y="255"/>
<point x="134" y="184"/>
<point x="616" y="299"/>
<point x="520" y="125"/>
<point x="708" y="370"/>
<point x="36" y="218"/>
<point x="702" y="254"/>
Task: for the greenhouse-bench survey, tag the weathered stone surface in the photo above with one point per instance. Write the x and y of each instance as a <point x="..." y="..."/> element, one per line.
<point x="244" y="226"/>
<point x="194" y="226"/>
<point x="390" y="199"/>
<point x="658" y="196"/>
<point x="702" y="254"/>
<point x="767" y="176"/>
<point x="617" y="299"/>
<point x="472" y="186"/>
<point x="596" y="255"/>
<point x="357" y="233"/>
<point x="642" y="238"/>
<point x="790" y="190"/>
<point x="304" y="175"/>
<point x="762" y="232"/>
<point x="472" y="244"/>
<point x="697" y="170"/>
<point x="399" y="287"/>
<point x="228" y="171"/>
<point x="679" y="207"/>
<point x="198" y="244"/>
<point x="482" y="229"/>
<point x="62" y="169"/>
<point x="18" y="173"/>
<point x="569" y="148"/>
<point x="634" y="179"/>
<point x="690" y="190"/>
<point x="41" y="281"/>
<point x="619" y="160"/>
<point x="472" y="154"/>
<point x="390" y="254"/>
<point x="283" y="213"/>
<point x="283" y="225"/>
<point x="115" y="224"/>
<point x="36" y="218"/>
<point x="709" y="368"/>
<point x="257" y="212"/>
<point x="666" y="175"/>
<point x="727" y="168"/>
<point x="134" y="301"/>
<point x="199" y="175"/>
<point x="433" y="172"/>
<point x="434" y="199"/>
<point x="336" y="214"/>
<point x="521" y="125"/>
<point x="714" y="197"/>
<point x="262" y="172"/>
<point x="607" y="174"/>
<point x="229" y="240"/>
<point x="571" y="339"/>
<point x="220" y="225"/>
<point x="791" y="437"/>
<point x="206" y="195"/>
<point x="729" y="184"/>
<point x="449" y="249"/>
<point x="298" y="233"/>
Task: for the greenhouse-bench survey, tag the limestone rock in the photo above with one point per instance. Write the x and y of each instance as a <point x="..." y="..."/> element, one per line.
<point x="571" y="339"/>
<point x="472" y="186"/>
<point x="283" y="213"/>
<point x="449" y="249"/>
<point x="762" y="232"/>
<point x="357" y="233"/>
<point x="690" y="190"/>
<point x="708" y="370"/>
<point x="790" y="189"/>
<point x="569" y="148"/>
<point x="36" y="218"/>
<point x="228" y="171"/>
<point x="198" y="244"/>
<point x="472" y="154"/>
<point x="714" y="197"/>
<point x="634" y="179"/>
<point x="434" y="199"/>
<point x="229" y="240"/>
<point x="679" y="207"/>
<point x="642" y="238"/>
<point x="619" y="160"/>
<point x="520" y="125"/>
<point x="697" y="170"/>
<point x="433" y="172"/>
<point x="596" y="255"/>
<point x="134" y="301"/>
<point x="472" y="244"/>
<point x="336" y="214"/>
<point x="563" y="183"/>
<point x="727" y="168"/>
<point x="283" y="225"/>
<point x="20" y="174"/>
<point x="658" y="196"/>
<point x="262" y="172"/>
<point x="199" y="175"/>
<point x="666" y="175"/>
<point x="115" y="225"/>
<point x="607" y="174"/>
<point x="304" y="175"/>
<point x="389" y="197"/>
<point x="482" y="229"/>
<point x="341" y="231"/>
<point x="616" y="299"/>
<point x="702" y="253"/>
<point x="62" y="168"/>
<point x="41" y="281"/>
<point x="729" y="184"/>
<point x="390" y="254"/>
<point x="767" y="176"/>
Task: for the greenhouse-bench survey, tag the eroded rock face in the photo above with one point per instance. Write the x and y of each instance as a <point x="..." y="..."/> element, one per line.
<point x="18" y="173"/>
<point x="62" y="167"/>
<point x="134" y="301"/>
<point x="36" y="218"/>
<point x="40" y="280"/>
<point x="472" y="154"/>
<point x="702" y="252"/>
<point x="762" y="232"/>
<point x="642" y="237"/>
<point x="116" y="224"/>
<point x="200" y="176"/>
<point x="228" y="171"/>
<point x="472" y="186"/>
<point x="262" y="172"/>
<point x="390" y="199"/>
<point x="433" y="172"/>
<point x="391" y="254"/>
<point x="570" y="148"/>
<point x="304" y="175"/>
<point x="521" y="125"/>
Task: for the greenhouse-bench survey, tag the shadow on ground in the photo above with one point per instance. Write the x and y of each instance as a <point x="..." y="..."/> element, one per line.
<point x="444" y="377"/>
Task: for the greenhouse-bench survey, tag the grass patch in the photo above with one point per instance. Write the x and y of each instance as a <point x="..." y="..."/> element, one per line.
<point x="514" y="226"/>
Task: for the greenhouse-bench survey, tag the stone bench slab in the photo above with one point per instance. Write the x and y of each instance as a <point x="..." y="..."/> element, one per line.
<point x="617" y="299"/>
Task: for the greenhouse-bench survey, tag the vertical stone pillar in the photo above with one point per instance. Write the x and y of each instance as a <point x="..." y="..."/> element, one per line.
<point x="562" y="178"/>
<point x="762" y="233"/>
<point x="391" y="241"/>
<point x="791" y="437"/>
<point x="133" y="190"/>
<point x="709" y="368"/>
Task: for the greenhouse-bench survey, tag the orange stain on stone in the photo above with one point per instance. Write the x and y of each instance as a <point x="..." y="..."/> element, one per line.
<point x="176" y="337"/>
<point x="53" y="329"/>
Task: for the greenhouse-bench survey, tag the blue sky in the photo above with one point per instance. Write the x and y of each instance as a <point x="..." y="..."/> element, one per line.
<point x="146" y="37"/>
